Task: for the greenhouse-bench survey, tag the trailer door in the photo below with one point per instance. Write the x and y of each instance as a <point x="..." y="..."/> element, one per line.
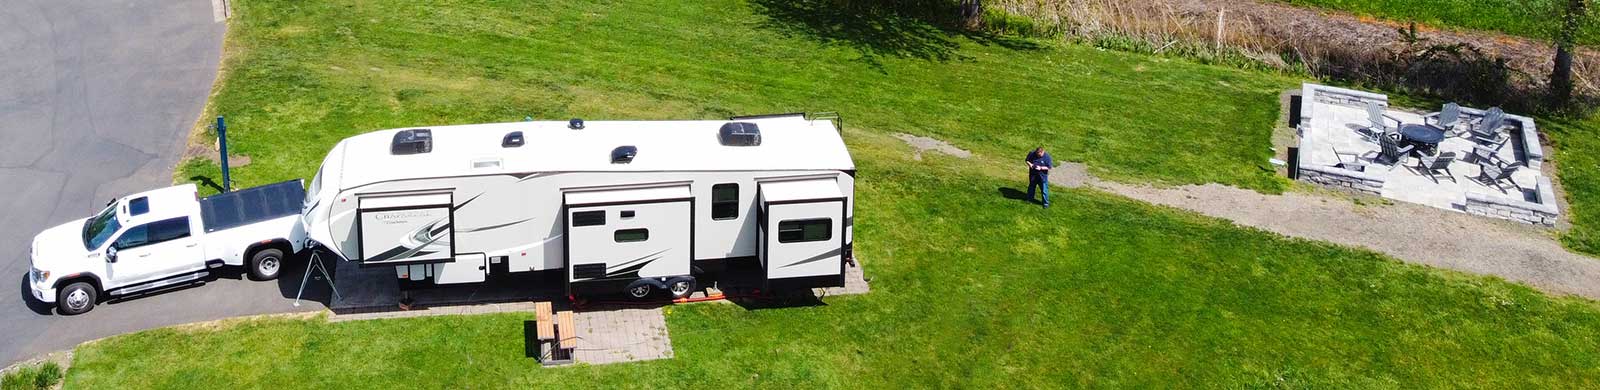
<point x="411" y="228"/>
<point x="615" y="237"/>
<point x="802" y="233"/>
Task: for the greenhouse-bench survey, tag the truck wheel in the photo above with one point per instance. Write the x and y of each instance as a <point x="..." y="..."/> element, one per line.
<point x="680" y="286"/>
<point x="76" y="298"/>
<point x="265" y="264"/>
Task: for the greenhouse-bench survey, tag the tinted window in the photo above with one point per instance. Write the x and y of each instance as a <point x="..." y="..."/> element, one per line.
<point x="805" y="230"/>
<point x="139" y="206"/>
<point x="631" y="235"/>
<point x="725" y="201"/>
<point x="589" y="218"/>
<point x="135" y="236"/>
<point x="168" y="230"/>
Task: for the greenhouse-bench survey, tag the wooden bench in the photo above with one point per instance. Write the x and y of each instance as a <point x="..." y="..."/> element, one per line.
<point x="568" y="331"/>
<point x="546" y="323"/>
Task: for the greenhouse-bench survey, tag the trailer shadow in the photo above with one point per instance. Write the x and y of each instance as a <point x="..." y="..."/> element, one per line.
<point x="34" y="305"/>
<point x="784" y="300"/>
<point x="294" y="271"/>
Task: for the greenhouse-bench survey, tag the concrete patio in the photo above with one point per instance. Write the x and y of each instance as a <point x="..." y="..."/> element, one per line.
<point x="1333" y="153"/>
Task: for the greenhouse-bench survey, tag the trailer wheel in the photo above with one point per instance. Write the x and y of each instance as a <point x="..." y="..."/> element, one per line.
<point x="265" y="264"/>
<point x="76" y="298"/>
<point x="680" y="286"/>
<point x="639" y="289"/>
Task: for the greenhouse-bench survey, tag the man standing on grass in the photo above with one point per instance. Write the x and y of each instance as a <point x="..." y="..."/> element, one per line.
<point x="1039" y="164"/>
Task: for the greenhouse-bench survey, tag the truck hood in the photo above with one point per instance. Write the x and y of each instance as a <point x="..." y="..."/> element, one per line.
<point x="56" y="246"/>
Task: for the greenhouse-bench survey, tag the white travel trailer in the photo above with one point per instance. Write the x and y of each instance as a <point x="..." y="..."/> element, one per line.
<point x="615" y="206"/>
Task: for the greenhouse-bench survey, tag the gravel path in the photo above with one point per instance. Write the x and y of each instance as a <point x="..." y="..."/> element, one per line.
<point x="1455" y="241"/>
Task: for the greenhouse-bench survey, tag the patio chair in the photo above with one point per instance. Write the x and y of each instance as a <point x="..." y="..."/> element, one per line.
<point x="1482" y="154"/>
<point x="1488" y="127"/>
<point x="1354" y="164"/>
<point x="1431" y="165"/>
<point x="1391" y="151"/>
<point x="1376" y="125"/>
<point x="1446" y="119"/>
<point x="1491" y="174"/>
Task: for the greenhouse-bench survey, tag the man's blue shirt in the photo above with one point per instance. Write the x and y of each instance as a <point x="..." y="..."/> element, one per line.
<point x="1041" y="160"/>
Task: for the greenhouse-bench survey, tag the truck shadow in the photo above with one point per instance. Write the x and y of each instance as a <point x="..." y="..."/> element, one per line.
<point x="35" y="305"/>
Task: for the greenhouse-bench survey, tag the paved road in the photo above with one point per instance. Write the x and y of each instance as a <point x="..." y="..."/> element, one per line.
<point x="96" y="97"/>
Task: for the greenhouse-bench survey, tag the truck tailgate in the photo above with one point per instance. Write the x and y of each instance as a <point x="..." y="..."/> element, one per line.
<point x="251" y="205"/>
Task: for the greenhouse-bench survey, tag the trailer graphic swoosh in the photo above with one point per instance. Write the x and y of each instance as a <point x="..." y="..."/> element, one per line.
<point x="494" y="226"/>
<point x="825" y="255"/>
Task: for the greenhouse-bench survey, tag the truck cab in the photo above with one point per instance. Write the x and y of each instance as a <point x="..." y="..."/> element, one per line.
<point x="161" y="238"/>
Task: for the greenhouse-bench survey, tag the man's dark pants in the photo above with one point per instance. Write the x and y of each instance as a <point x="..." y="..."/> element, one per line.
<point x="1043" y="183"/>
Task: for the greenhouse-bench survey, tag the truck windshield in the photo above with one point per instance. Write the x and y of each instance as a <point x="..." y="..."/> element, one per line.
<point x="98" y="229"/>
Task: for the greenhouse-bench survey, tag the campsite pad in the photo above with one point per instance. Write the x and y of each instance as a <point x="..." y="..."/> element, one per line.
<point x="607" y="331"/>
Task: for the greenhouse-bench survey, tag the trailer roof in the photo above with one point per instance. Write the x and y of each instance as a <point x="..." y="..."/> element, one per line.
<point x="787" y="143"/>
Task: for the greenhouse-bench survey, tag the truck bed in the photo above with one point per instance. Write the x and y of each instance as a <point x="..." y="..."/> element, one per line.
<point x="251" y="205"/>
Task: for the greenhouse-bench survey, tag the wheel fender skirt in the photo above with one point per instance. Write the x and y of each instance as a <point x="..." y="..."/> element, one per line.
<point x="657" y="284"/>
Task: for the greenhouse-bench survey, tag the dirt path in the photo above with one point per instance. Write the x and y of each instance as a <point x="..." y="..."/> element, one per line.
<point x="1454" y="240"/>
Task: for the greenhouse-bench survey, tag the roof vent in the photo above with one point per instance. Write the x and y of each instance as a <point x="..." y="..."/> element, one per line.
<point x="739" y="134"/>
<point x="413" y="141"/>
<point x="512" y="140"/>
<point x="623" y="154"/>
<point x="575" y="124"/>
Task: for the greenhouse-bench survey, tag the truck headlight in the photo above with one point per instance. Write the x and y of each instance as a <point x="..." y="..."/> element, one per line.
<point x="40" y="275"/>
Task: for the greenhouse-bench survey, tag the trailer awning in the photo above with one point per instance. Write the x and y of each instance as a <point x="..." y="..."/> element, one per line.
<point x="590" y="197"/>
<point x="799" y="190"/>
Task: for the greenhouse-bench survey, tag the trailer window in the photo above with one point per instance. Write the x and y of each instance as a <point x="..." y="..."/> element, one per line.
<point x="805" y="230"/>
<point x="631" y="235"/>
<point x="589" y="218"/>
<point x="725" y="201"/>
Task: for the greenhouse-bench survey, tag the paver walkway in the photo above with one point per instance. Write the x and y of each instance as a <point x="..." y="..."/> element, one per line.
<point x="1448" y="239"/>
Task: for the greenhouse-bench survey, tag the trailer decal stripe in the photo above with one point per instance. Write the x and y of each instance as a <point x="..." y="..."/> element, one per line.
<point x="630" y="262"/>
<point x="494" y="226"/>
<point x="825" y="255"/>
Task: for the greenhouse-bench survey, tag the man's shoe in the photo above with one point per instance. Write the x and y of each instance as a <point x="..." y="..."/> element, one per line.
<point x="1047" y="205"/>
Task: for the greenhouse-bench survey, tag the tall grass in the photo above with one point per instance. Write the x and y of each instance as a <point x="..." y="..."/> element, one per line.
<point x="1289" y="39"/>
<point x="32" y="377"/>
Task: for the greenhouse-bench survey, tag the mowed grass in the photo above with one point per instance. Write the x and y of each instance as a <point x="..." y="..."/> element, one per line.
<point x="301" y="76"/>
<point x="972" y="290"/>
<point x="1538" y="19"/>
<point x="1577" y="145"/>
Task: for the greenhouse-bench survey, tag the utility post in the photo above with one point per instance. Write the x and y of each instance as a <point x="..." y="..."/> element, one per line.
<point x="222" y="142"/>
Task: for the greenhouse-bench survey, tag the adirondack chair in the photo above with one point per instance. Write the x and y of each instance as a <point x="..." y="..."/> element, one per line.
<point x="1377" y="125"/>
<point x="1491" y="174"/>
<point x="1446" y="119"/>
<point x="1487" y="128"/>
<point x="1432" y="165"/>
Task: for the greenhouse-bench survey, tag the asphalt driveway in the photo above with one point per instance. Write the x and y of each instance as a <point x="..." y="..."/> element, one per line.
<point x="96" y="98"/>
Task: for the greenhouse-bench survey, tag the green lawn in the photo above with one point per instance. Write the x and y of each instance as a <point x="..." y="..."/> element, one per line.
<point x="970" y="289"/>
<point x="973" y="290"/>
<point x="302" y="76"/>
<point x="1537" y="19"/>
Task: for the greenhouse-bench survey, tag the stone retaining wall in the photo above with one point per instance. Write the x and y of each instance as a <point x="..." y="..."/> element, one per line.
<point x="1544" y="212"/>
<point x="1342" y="178"/>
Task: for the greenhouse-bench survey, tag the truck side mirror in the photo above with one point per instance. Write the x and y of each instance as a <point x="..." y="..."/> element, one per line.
<point x="111" y="254"/>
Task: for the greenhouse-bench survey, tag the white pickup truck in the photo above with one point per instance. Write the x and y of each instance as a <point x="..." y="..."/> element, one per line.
<point x="163" y="238"/>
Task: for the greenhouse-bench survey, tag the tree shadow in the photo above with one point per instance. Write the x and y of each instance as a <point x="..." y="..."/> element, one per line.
<point x="881" y="28"/>
<point x="207" y="181"/>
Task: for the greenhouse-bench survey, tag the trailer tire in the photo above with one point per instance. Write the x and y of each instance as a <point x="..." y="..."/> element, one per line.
<point x="639" y="289"/>
<point x="265" y="264"/>
<point x="680" y="287"/>
<point x="76" y="298"/>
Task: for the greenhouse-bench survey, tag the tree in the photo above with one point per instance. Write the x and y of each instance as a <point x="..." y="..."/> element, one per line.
<point x="1561" y="76"/>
